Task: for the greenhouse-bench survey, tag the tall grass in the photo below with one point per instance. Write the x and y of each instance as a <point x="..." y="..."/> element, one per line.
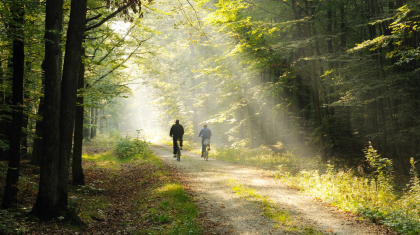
<point x="373" y="196"/>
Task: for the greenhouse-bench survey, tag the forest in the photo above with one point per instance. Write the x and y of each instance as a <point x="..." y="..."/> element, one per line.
<point x="326" y="87"/>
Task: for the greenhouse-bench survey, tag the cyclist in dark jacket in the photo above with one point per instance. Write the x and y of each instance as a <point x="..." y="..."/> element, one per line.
<point x="177" y="131"/>
<point x="205" y="133"/>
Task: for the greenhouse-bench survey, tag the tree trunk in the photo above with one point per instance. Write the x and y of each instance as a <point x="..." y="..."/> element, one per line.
<point x="239" y="117"/>
<point x="24" y="138"/>
<point x="71" y="67"/>
<point x="46" y="203"/>
<point x="383" y="131"/>
<point x="96" y="122"/>
<point x="248" y="116"/>
<point x="77" y="170"/>
<point x="5" y="123"/>
<point x="92" y="122"/>
<point x="343" y="41"/>
<point x="10" y="192"/>
<point x="37" y="149"/>
<point x="86" y="122"/>
<point x="2" y="123"/>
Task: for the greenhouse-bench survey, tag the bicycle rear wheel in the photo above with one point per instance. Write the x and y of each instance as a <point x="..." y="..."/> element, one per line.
<point x="178" y="154"/>
<point x="206" y="155"/>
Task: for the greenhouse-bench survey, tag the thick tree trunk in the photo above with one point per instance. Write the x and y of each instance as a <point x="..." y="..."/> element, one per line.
<point x="2" y="122"/>
<point x="10" y="192"/>
<point x="5" y="123"/>
<point x="77" y="170"/>
<point x="69" y="86"/>
<point x="46" y="203"/>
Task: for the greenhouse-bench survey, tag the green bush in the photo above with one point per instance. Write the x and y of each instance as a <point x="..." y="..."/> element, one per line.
<point x="128" y="147"/>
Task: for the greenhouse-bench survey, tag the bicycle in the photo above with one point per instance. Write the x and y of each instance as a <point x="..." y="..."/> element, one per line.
<point x="206" y="149"/>
<point x="178" y="151"/>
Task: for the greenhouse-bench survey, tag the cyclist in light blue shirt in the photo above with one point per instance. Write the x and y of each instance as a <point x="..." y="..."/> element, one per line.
<point x="205" y="133"/>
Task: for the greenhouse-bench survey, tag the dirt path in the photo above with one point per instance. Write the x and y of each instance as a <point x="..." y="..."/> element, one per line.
<point x="225" y="212"/>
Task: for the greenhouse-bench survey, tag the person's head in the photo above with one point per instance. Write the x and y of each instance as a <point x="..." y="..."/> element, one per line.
<point x="177" y="121"/>
<point x="205" y="125"/>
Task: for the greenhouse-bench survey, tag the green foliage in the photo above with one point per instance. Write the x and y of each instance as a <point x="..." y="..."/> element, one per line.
<point x="168" y="198"/>
<point x="127" y="147"/>
<point x="9" y="223"/>
<point x="382" y="167"/>
<point x="372" y="196"/>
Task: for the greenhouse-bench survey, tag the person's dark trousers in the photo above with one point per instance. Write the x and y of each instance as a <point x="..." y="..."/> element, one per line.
<point x="176" y="144"/>
<point x="203" y="147"/>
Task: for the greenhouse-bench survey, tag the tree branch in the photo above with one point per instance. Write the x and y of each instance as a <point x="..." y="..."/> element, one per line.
<point x="107" y="18"/>
<point x="115" y="45"/>
<point x="255" y="5"/>
<point x="96" y="49"/>
<point x="119" y="65"/>
<point x="198" y="20"/>
<point x="93" y="18"/>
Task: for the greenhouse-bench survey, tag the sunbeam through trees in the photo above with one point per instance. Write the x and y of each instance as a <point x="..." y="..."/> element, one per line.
<point x="310" y="90"/>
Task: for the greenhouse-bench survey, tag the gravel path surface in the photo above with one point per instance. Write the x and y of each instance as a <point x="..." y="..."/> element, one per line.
<point x="224" y="212"/>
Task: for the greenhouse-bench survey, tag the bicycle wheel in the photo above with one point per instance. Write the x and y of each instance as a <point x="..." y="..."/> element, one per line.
<point x="178" y="154"/>
<point x="206" y="155"/>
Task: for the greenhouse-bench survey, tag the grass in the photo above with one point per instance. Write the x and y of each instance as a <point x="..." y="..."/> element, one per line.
<point x="164" y="206"/>
<point x="264" y="157"/>
<point x="373" y="196"/>
<point x="283" y="220"/>
<point x="133" y="194"/>
<point x="171" y="209"/>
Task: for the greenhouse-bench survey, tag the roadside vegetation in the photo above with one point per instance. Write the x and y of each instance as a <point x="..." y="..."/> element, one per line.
<point x="372" y="193"/>
<point x="128" y="190"/>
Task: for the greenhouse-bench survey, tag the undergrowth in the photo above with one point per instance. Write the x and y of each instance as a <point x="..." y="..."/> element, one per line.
<point x="373" y="196"/>
<point x="163" y="206"/>
<point x="131" y="147"/>
<point x="129" y="193"/>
